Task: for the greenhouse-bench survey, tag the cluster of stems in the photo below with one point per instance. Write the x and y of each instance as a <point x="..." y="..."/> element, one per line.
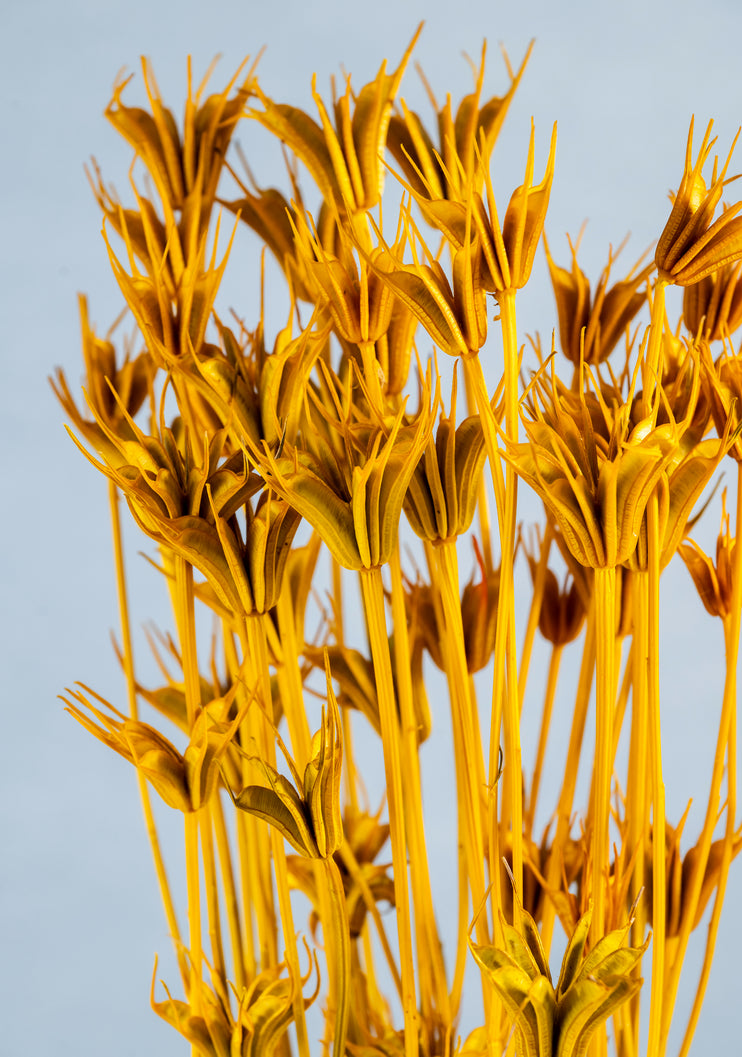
<point x="275" y="479"/>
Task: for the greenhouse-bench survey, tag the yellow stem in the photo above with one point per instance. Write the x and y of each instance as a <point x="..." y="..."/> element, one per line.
<point x="356" y="873"/>
<point x="505" y="631"/>
<point x="551" y="685"/>
<point x="605" y="699"/>
<point x="218" y="966"/>
<point x="467" y="752"/>
<point x="194" y="909"/>
<point x="483" y="511"/>
<point x="338" y="940"/>
<point x="726" y="742"/>
<point x="637" y="798"/>
<point x="373" y="598"/>
<point x="571" y="768"/>
<point x="128" y="662"/>
<point x="247" y="840"/>
<point x="659" y="878"/>
<point x="186" y="621"/>
<point x="534" y="614"/>
<point x="433" y="985"/>
<point x="504" y="658"/>
<point x="230" y="893"/>
<point x="254" y="646"/>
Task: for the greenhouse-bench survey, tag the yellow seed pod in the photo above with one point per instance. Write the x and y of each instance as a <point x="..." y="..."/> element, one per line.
<point x="322" y="777"/>
<point x="442" y="494"/>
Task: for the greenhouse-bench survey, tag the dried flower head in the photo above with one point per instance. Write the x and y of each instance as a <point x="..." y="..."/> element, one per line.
<point x="590" y="327"/>
<point x="691" y="245"/>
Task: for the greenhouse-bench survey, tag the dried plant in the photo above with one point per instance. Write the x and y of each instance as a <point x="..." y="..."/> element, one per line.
<point x="246" y="462"/>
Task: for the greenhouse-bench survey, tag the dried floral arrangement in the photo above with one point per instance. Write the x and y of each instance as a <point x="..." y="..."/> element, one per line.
<point x="252" y="465"/>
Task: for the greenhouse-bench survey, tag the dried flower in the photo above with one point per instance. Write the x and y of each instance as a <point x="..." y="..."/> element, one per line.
<point x="691" y="246"/>
<point x="604" y="318"/>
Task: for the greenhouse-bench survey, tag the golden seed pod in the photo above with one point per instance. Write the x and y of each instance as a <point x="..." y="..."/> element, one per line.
<point x="678" y="490"/>
<point x="479" y="603"/>
<point x="680" y="871"/>
<point x="322" y="778"/>
<point x="712" y="307"/>
<point x="691" y="245"/>
<point x="265" y="1012"/>
<point x="452" y="312"/>
<point x="562" y="612"/>
<point x="309" y="820"/>
<point x="596" y="485"/>
<point x="591" y="985"/>
<point x="508" y="251"/>
<point x="465" y="142"/>
<point x="344" y="159"/>
<point x="182" y="164"/>
<point x="365" y="836"/>
<point x="713" y="580"/>
<point x="590" y="327"/>
<point x="114" y="392"/>
<point x="442" y="495"/>
<point x="351" y="483"/>
<point x="190" y="505"/>
<point x="723" y="382"/>
<point x="185" y="781"/>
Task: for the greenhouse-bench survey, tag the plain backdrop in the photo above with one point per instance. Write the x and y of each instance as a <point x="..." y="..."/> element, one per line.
<point x="80" y="920"/>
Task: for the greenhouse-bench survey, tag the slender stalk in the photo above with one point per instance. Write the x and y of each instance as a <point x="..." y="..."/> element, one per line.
<point x="533" y="614"/>
<point x="504" y="658"/>
<point x="571" y="769"/>
<point x="605" y="699"/>
<point x="373" y="598"/>
<point x="230" y="894"/>
<point x="431" y="968"/>
<point x="726" y="745"/>
<point x="468" y="754"/>
<point x="356" y="873"/>
<point x="248" y="836"/>
<point x="131" y="690"/>
<point x="659" y="876"/>
<point x="186" y="621"/>
<point x="341" y="953"/>
<point x="350" y="784"/>
<point x="218" y="966"/>
<point x="551" y="685"/>
<point x="637" y="800"/>
<point x="651" y="379"/>
<point x="254" y="646"/>
<point x="505" y="630"/>
<point x="483" y="510"/>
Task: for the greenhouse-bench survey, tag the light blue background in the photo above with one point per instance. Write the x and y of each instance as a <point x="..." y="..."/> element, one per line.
<point x="80" y="916"/>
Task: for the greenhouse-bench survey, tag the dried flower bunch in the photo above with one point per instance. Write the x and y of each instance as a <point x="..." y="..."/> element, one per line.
<point x="265" y="471"/>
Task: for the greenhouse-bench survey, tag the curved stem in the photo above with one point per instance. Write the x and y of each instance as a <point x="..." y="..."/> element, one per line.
<point x="128" y="663"/>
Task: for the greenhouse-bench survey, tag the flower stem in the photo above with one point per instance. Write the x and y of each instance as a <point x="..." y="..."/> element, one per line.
<point x="185" y="619"/>
<point x="726" y="744"/>
<point x="128" y="663"/>
<point x="605" y="696"/>
<point x="372" y="590"/>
